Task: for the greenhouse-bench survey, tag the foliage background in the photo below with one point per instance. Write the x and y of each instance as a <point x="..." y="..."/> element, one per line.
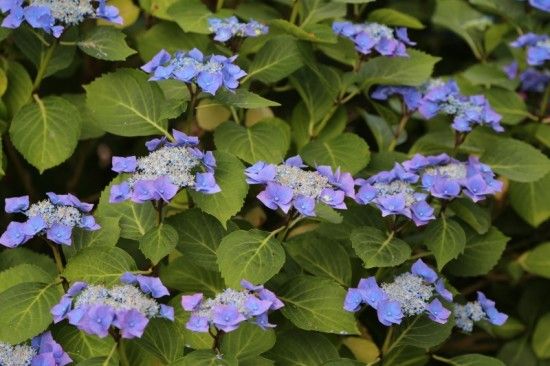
<point x="303" y="96"/>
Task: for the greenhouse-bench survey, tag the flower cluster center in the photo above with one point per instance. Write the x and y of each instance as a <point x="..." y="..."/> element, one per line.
<point x="55" y="214"/>
<point x="411" y="291"/>
<point x="70" y="12"/>
<point x="19" y="355"/>
<point x="305" y="183"/>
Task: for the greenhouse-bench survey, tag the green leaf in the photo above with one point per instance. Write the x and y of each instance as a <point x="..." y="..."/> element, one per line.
<point x="508" y="9"/>
<point x="134" y="219"/>
<point x="191" y="16"/>
<point x="271" y="65"/>
<point x="110" y="360"/>
<point x="99" y="265"/>
<point x="23" y="273"/>
<point x="106" y="237"/>
<point x="531" y="200"/>
<point x="348" y="152"/>
<point x="36" y="126"/>
<point x="205" y="358"/>
<point x="79" y="345"/>
<point x="241" y="98"/>
<point x="280" y="25"/>
<point x="230" y="177"/>
<point x="163" y="339"/>
<point x="105" y="43"/>
<point x="199" y="236"/>
<point x="90" y="128"/>
<point x="264" y="141"/>
<point x="541" y="337"/>
<point x="14" y="257"/>
<point x="445" y="239"/>
<point x="355" y="216"/>
<point x="313" y="303"/>
<point x="509" y="105"/>
<point x="481" y="254"/>
<point x="168" y="36"/>
<point x="125" y="103"/>
<point x="537" y="260"/>
<point x="296" y="347"/>
<point x="422" y="332"/>
<point x="253" y="255"/>
<point x="315" y="11"/>
<point x="476" y="360"/>
<point x="462" y="19"/>
<point x="20" y="87"/>
<point x="321" y="256"/>
<point x="26" y="310"/>
<point x="474" y="215"/>
<point x="512" y="158"/>
<point x="377" y="249"/>
<point x="184" y="275"/>
<point x="158" y="242"/>
<point x="247" y="341"/>
<point x="394" y="18"/>
<point x="406" y="356"/>
<point x="491" y="75"/>
<point x="413" y="70"/>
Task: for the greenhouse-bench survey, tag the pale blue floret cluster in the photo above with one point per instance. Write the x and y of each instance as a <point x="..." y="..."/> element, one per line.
<point x="42" y="351"/>
<point x="226" y="28"/>
<point x="474" y="311"/>
<point x="127" y="307"/>
<point x="227" y="310"/>
<point x="531" y="79"/>
<point x="53" y="15"/>
<point x="369" y="37"/>
<point x="409" y="294"/>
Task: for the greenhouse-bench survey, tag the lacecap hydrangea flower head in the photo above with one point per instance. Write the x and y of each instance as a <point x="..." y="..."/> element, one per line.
<point x="438" y="96"/>
<point x="369" y="37"/>
<point x="52" y="16"/>
<point x="42" y="351"/>
<point x="226" y="28"/>
<point x="169" y="167"/>
<point x="128" y="307"/>
<point x="410" y="294"/>
<point x="395" y="192"/>
<point x="290" y="185"/>
<point x="54" y="217"/>
<point x="531" y="79"/>
<point x="537" y="46"/>
<point x="475" y="311"/>
<point x="210" y="73"/>
<point x="447" y="178"/>
<point x="230" y="308"/>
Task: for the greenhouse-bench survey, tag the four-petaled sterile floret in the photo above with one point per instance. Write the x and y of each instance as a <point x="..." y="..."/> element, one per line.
<point x="43" y="350"/>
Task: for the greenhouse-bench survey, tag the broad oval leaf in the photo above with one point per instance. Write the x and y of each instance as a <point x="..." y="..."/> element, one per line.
<point x="476" y="360"/>
<point x="247" y="341"/>
<point x="125" y="103"/>
<point x="537" y="260"/>
<point x="446" y="240"/>
<point x="296" y="347"/>
<point x="253" y="255"/>
<point x="20" y="87"/>
<point x="23" y="273"/>
<point x="314" y="303"/>
<point x="26" y="310"/>
<point x="242" y="98"/>
<point x="79" y="345"/>
<point x="377" y="249"/>
<point x="184" y="275"/>
<point x="99" y="265"/>
<point x="105" y="43"/>
<point x="46" y="132"/>
<point x="541" y="337"/>
<point x="479" y="218"/>
<point x="532" y="200"/>
<point x="158" y="242"/>
<point x="163" y="339"/>
<point x="272" y="64"/>
<point x="393" y="17"/>
<point x="266" y="141"/>
<point x="421" y="331"/>
<point x="347" y="151"/>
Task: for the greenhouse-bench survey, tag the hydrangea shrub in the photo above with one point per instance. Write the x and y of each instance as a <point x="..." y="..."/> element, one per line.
<point x="305" y="182"/>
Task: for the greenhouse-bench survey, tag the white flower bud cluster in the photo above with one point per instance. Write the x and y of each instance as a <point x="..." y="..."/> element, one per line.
<point x="454" y="171"/>
<point x="302" y="182"/>
<point x="411" y="291"/>
<point x="466" y="315"/>
<point x="19" y="355"/>
<point x="55" y="214"/>
<point x="69" y="12"/>
<point x="396" y="187"/>
<point x="227" y="297"/>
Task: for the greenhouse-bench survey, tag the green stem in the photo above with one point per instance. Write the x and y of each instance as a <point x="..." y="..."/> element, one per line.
<point x="59" y="263"/>
<point x="400" y="128"/>
<point x="68" y="43"/>
<point x="387" y="341"/>
<point x="43" y="67"/>
<point x="40" y="38"/>
<point x="192" y="104"/>
<point x="159" y="207"/>
<point x="294" y="12"/>
<point x="122" y="353"/>
<point x="443" y="359"/>
<point x="235" y="116"/>
<point x="219" y="5"/>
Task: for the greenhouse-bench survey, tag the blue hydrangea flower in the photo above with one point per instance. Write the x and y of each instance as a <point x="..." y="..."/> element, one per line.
<point x="537" y="46"/>
<point x="43" y="350"/>
<point x="448" y="178"/>
<point x="411" y="96"/>
<point x="55" y="217"/>
<point x="543" y="5"/>
<point x="94" y="309"/>
<point x="373" y="36"/>
<point x="227" y="28"/>
<point x="532" y="80"/>
<point x="290" y="185"/>
<point x="410" y="294"/>
<point x="394" y="192"/>
<point x="474" y="311"/>
<point x="230" y="308"/>
<point x="210" y="73"/>
<point x="169" y="167"/>
<point x="53" y="15"/>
